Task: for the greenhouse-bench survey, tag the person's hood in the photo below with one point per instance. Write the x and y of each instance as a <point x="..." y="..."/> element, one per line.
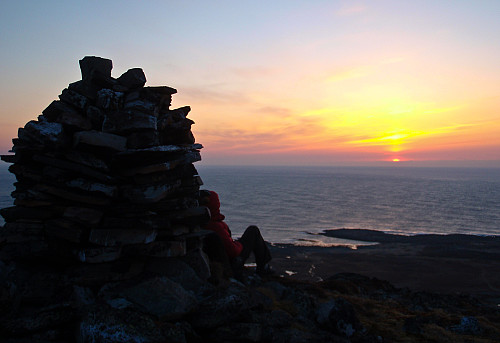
<point x="214" y="207"/>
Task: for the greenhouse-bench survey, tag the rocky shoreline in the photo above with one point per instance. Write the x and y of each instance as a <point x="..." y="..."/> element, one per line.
<point x="447" y="264"/>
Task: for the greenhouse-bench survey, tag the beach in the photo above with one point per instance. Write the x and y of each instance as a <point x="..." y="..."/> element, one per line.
<point x="445" y="264"/>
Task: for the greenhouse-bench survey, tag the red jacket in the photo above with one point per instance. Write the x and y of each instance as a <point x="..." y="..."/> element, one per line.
<point x="217" y="224"/>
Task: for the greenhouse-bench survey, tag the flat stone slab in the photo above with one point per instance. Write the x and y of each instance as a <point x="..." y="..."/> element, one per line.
<point x="116" y="237"/>
<point x="74" y="167"/>
<point x="124" y="123"/>
<point x="90" y="186"/>
<point x="11" y="158"/>
<point x="14" y="213"/>
<point x="159" y="249"/>
<point x="149" y="194"/>
<point x="72" y="196"/>
<point x="190" y="157"/>
<point x="65" y="229"/>
<point x="162" y="149"/>
<point x="164" y="90"/>
<point x="99" y="255"/>
<point x="100" y="140"/>
<point x="88" y="160"/>
<point x="83" y="214"/>
<point x="21" y="232"/>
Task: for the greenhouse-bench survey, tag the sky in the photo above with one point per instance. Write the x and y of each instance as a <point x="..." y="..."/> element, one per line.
<point x="279" y="82"/>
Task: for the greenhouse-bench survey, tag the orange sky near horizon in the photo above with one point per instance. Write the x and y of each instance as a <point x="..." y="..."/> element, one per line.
<point x="359" y="117"/>
<point x="283" y="83"/>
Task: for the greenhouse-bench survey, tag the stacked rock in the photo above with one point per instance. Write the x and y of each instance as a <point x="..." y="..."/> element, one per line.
<point x="105" y="173"/>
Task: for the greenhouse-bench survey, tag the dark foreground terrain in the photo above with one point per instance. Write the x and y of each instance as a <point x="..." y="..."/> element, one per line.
<point x="449" y="264"/>
<point x="436" y="285"/>
<point x="438" y="289"/>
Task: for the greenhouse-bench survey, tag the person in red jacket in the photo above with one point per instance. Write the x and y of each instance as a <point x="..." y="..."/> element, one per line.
<point x="238" y="250"/>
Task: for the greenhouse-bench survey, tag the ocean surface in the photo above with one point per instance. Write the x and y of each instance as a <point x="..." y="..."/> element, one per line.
<point x="295" y="204"/>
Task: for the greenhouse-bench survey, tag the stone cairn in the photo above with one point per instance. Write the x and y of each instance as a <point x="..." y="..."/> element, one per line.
<point x="106" y="188"/>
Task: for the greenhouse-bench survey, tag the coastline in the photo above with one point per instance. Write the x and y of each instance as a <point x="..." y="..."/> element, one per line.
<point x="445" y="264"/>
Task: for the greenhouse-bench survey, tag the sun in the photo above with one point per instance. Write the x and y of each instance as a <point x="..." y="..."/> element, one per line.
<point x="396" y="160"/>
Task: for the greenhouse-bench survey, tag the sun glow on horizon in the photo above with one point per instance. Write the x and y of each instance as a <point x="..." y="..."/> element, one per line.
<point x="321" y="83"/>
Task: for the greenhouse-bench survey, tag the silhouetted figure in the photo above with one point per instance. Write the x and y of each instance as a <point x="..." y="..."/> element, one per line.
<point x="238" y="250"/>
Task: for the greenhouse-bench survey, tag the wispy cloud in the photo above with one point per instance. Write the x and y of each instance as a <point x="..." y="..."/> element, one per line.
<point x="347" y="10"/>
<point x="442" y="110"/>
<point x="362" y="70"/>
<point x="350" y="73"/>
<point x="253" y="71"/>
<point x="275" y="111"/>
<point x="280" y="130"/>
<point x="213" y="94"/>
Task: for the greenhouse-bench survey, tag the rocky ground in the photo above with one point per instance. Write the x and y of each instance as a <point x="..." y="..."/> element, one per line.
<point x="346" y="307"/>
<point x="316" y="295"/>
<point x="447" y="264"/>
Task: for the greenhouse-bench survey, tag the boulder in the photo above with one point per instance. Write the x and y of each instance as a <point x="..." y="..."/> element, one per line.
<point x="108" y="99"/>
<point x="45" y="132"/>
<point x="200" y="263"/>
<point x="132" y="78"/>
<point x="41" y="318"/>
<point x="469" y="325"/>
<point x="73" y="98"/>
<point x="220" y="308"/>
<point x="74" y="121"/>
<point x="161" y="297"/>
<point x="177" y="271"/>
<point x="57" y="108"/>
<point x="240" y="332"/>
<point x="339" y="317"/>
<point x="96" y="117"/>
<point x="105" y="324"/>
<point x="180" y="332"/>
<point x="90" y="64"/>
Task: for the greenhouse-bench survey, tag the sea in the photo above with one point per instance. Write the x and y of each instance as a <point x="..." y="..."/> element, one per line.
<point x="294" y="205"/>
